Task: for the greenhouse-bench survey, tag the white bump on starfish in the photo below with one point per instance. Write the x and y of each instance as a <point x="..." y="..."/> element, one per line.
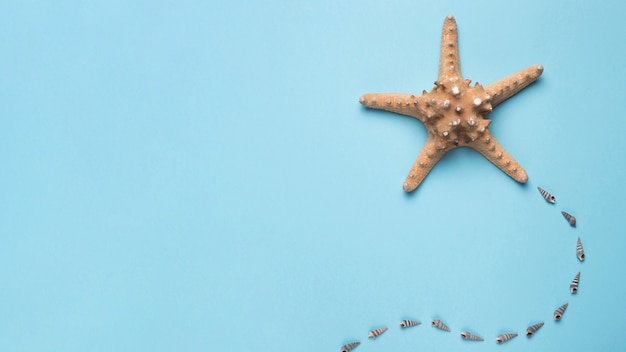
<point x="477" y="101"/>
<point x="459" y="109"/>
<point x="455" y="91"/>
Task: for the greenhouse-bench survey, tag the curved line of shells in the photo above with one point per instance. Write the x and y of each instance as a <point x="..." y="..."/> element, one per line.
<point x="466" y="335"/>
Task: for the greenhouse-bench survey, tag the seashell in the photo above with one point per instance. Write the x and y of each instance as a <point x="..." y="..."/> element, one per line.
<point x="376" y="332"/>
<point x="469" y="336"/>
<point x="440" y="325"/>
<point x="533" y="329"/>
<point x="570" y="218"/>
<point x="580" y="252"/>
<point x="347" y="347"/>
<point x="505" y="337"/>
<point x="558" y="313"/>
<point x="409" y="323"/>
<point x="573" y="287"/>
<point x="546" y="195"/>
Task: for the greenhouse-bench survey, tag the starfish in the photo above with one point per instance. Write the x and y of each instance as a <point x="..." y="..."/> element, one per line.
<point x="455" y="113"/>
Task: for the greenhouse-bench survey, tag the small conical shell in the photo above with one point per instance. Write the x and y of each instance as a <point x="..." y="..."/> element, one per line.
<point x="570" y="218"/>
<point x="533" y="329"/>
<point x="573" y="287"/>
<point x="546" y="195"/>
<point x="409" y="323"/>
<point x="580" y="252"/>
<point x="469" y="336"/>
<point x="376" y="332"/>
<point x="558" y="313"/>
<point x="349" y="346"/>
<point x="440" y="325"/>
<point x="505" y="337"/>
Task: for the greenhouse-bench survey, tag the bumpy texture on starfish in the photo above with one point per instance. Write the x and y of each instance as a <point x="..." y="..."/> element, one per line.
<point x="455" y="113"/>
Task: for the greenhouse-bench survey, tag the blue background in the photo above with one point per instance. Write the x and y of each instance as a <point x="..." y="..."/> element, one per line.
<point x="199" y="176"/>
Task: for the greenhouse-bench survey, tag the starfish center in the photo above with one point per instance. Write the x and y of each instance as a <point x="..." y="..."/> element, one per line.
<point x="457" y="112"/>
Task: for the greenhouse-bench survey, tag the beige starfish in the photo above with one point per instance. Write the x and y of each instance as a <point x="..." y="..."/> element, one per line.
<point x="455" y="113"/>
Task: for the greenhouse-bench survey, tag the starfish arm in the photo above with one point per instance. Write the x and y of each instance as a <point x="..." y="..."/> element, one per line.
<point x="491" y="149"/>
<point x="449" y="60"/>
<point x="506" y="87"/>
<point x="405" y="104"/>
<point x="427" y="158"/>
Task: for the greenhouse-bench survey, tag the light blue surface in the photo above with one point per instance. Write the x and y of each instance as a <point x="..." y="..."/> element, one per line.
<point x="199" y="176"/>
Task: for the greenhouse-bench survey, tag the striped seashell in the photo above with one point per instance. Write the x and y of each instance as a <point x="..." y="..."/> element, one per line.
<point x="505" y="337"/>
<point x="409" y="323"/>
<point x="349" y="346"/>
<point x="573" y="287"/>
<point x="558" y="313"/>
<point x="570" y="218"/>
<point x="440" y="325"/>
<point x="469" y="336"/>
<point x="376" y="332"/>
<point x="533" y="329"/>
<point x="580" y="252"/>
<point x="546" y="195"/>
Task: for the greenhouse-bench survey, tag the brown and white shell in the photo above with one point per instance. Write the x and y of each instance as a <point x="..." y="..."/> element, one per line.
<point x="376" y="332"/>
<point x="409" y="323"/>
<point x="580" y="252"/>
<point x="533" y="329"/>
<point x="469" y="336"/>
<point x="570" y="218"/>
<point x="505" y="337"/>
<point x="349" y="346"/>
<point x="547" y="195"/>
<point x="440" y="325"/>
<point x="558" y="313"/>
